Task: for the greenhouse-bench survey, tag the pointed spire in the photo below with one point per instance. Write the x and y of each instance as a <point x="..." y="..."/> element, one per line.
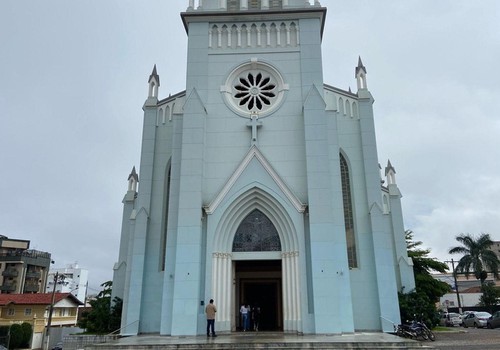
<point x="154" y="84"/>
<point x="133" y="179"/>
<point x="390" y="173"/>
<point x="154" y="75"/>
<point x="361" y="75"/>
<point x="389" y="167"/>
<point x="360" y="66"/>
<point x="133" y="175"/>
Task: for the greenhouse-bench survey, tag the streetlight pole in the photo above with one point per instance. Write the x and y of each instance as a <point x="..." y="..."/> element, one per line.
<point x="456" y="285"/>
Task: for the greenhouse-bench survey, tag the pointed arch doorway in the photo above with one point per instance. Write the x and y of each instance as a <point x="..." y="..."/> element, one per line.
<point x="258" y="272"/>
<point x="259" y="285"/>
<point x="256" y="254"/>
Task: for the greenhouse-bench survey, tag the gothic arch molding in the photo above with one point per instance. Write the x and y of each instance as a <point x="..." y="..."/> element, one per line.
<point x="243" y="205"/>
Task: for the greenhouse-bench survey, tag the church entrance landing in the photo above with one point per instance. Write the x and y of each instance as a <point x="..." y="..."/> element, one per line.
<point x="259" y="284"/>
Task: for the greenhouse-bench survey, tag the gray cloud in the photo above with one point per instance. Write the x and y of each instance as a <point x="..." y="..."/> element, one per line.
<point x="73" y="78"/>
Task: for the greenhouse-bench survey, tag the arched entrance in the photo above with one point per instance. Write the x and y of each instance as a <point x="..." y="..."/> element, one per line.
<point x="258" y="282"/>
<point x="259" y="285"/>
<point x="256" y="260"/>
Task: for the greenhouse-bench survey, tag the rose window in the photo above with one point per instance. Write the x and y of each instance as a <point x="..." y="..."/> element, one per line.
<point x="254" y="91"/>
<point x="254" y="87"/>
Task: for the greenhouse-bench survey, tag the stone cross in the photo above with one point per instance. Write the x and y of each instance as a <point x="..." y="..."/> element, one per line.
<point x="254" y="124"/>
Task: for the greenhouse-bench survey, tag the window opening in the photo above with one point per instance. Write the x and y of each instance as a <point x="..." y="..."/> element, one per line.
<point x="256" y="233"/>
<point x="348" y="213"/>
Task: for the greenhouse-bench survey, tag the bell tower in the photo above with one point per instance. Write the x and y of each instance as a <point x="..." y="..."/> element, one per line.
<point x="245" y="59"/>
<point x="259" y="178"/>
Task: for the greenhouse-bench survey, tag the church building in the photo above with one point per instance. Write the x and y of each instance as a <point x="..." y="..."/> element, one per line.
<point x="260" y="185"/>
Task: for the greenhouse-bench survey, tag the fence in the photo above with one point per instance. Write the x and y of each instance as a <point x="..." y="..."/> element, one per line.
<point x="77" y="342"/>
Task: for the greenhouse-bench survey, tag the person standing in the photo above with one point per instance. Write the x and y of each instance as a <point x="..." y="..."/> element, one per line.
<point x="210" y="310"/>
<point x="244" y="317"/>
<point x="256" y="317"/>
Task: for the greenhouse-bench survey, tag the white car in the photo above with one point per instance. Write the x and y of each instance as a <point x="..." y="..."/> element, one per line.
<point x="476" y="319"/>
<point x="451" y="319"/>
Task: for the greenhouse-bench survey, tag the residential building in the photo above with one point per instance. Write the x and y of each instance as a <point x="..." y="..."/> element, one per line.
<point x="463" y="281"/>
<point x="468" y="298"/>
<point x="74" y="280"/>
<point x="260" y="184"/>
<point x="22" y="270"/>
<point x="34" y="309"/>
<point x="469" y="290"/>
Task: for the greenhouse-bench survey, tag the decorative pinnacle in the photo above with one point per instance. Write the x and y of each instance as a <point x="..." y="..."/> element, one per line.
<point x="133" y="175"/>
<point x="360" y="66"/>
<point x="154" y="75"/>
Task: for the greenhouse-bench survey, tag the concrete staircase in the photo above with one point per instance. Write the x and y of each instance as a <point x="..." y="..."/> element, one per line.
<point x="263" y="341"/>
<point x="251" y="346"/>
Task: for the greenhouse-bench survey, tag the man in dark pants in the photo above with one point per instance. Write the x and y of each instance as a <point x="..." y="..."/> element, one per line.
<point x="210" y="310"/>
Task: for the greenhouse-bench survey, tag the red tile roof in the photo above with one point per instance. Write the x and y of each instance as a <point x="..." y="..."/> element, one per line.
<point x="35" y="299"/>
<point x="475" y="289"/>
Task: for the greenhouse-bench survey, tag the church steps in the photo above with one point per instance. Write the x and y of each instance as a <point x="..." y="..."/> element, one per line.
<point x="270" y="346"/>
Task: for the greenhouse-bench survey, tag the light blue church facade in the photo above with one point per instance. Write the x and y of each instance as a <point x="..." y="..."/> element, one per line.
<point x="260" y="184"/>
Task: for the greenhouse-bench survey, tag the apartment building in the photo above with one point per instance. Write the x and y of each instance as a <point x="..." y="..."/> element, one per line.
<point x="74" y="281"/>
<point x="22" y="270"/>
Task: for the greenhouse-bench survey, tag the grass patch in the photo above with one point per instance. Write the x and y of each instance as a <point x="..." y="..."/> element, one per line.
<point x="446" y="329"/>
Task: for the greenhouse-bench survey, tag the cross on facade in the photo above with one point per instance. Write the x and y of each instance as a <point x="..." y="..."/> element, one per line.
<point x="254" y="124"/>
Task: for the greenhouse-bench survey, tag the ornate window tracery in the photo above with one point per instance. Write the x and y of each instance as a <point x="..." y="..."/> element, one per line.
<point x="254" y="87"/>
<point x="348" y="213"/>
<point x="255" y="91"/>
<point x="256" y="233"/>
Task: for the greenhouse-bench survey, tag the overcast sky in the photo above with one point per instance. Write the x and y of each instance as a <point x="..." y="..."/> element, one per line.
<point x="73" y="79"/>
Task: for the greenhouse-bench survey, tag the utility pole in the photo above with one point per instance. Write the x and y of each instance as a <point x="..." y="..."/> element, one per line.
<point x="57" y="279"/>
<point x="456" y="284"/>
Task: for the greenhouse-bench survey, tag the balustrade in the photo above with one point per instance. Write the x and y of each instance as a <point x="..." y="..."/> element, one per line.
<point x="256" y="35"/>
<point x="246" y="4"/>
<point x="10" y="273"/>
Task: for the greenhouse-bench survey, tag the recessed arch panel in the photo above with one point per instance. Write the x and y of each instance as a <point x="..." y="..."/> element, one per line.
<point x="255" y="199"/>
<point x="256" y="233"/>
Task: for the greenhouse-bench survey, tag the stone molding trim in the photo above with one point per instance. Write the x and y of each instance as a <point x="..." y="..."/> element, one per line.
<point x="262" y="35"/>
<point x="254" y="152"/>
<point x="254" y="88"/>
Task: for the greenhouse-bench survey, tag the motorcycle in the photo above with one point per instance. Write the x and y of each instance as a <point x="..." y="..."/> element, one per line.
<point x="405" y="331"/>
<point x="414" y="330"/>
<point x="422" y="330"/>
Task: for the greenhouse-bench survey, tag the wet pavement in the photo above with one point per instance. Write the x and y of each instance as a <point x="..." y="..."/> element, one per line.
<point x="468" y="339"/>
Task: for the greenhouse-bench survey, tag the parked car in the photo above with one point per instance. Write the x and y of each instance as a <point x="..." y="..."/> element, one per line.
<point x="450" y="319"/>
<point x="59" y="346"/>
<point x="476" y="319"/>
<point x="494" y="320"/>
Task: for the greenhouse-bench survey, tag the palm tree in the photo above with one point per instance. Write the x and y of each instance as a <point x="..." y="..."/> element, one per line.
<point x="477" y="257"/>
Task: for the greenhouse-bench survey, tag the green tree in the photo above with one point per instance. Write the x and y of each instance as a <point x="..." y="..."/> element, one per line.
<point x="27" y="331"/>
<point x="490" y="297"/>
<point x="477" y="257"/>
<point x="103" y="317"/>
<point x="423" y="266"/>
<point x="16" y="336"/>
<point x="428" y="290"/>
<point x="20" y="335"/>
<point x="417" y="304"/>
